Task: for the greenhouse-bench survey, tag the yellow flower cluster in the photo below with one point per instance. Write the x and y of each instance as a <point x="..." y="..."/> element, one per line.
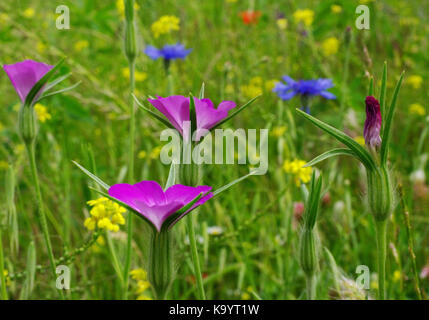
<point x="140" y="276"/>
<point x="295" y="167"/>
<point x="282" y="23"/>
<point x="257" y="87"/>
<point x="28" y="13"/>
<point x="335" y="8"/>
<point x="330" y="46"/>
<point x="278" y="131"/>
<point x="105" y="214"/>
<point x="415" y="81"/>
<point x="120" y="6"/>
<point x="305" y="16"/>
<point x="360" y="140"/>
<point x="138" y="76"/>
<point x="81" y="45"/>
<point x="417" y="109"/>
<point x="42" y="112"/>
<point x="6" y="275"/>
<point x="164" y="25"/>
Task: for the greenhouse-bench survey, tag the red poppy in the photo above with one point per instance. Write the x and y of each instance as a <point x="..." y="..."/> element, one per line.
<point x="250" y="17"/>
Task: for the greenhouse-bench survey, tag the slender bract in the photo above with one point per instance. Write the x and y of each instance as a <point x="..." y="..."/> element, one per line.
<point x="131" y="52"/>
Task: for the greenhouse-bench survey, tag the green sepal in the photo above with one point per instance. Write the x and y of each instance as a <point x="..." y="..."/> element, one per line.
<point x="329" y="154"/>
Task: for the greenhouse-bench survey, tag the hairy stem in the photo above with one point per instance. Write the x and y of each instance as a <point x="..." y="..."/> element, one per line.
<point x="381" y="257"/>
<point x="41" y="209"/>
<point x="195" y="258"/>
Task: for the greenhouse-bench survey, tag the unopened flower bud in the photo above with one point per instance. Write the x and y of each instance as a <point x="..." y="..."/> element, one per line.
<point x="372" y="128"/>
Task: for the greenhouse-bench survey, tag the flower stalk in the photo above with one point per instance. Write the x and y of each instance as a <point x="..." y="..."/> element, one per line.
<point x="131" y="53"/>
<point x="307" y="243"/>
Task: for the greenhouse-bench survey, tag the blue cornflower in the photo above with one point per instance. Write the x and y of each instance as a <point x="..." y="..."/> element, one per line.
<point x="312" y="87"/>
<point x="305" y="89"/>
<point x="168" y="52"/>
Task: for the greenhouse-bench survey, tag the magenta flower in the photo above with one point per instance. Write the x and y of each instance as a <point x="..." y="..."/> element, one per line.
<point x="156" y="205"/>
<point x="371" y="131"/>
<point x="24" y="75"/>
<point x="176" y="109"/>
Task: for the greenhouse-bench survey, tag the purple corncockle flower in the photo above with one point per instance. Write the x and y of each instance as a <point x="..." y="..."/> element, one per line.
<point x="371" y="131"/>
<point x="156" y="205"/>
<point x="312" y="87"/>
<point x="24" y="75"/>
<point x="177" y="110"/>
<point x="168" y="52"/>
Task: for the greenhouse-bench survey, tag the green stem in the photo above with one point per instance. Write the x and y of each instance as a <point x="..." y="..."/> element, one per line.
<point x="114" y="258"/>
<point x="130" y="179"/>
<point x="311" y="287"/>
<point x="381" y="257"/>
<point x="41" y="209"/>
<point x="2" y="276"/>
<point x="195" y="258"/>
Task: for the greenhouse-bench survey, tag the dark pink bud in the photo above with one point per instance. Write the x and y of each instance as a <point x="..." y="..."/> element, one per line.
<point x="371" y="131"/>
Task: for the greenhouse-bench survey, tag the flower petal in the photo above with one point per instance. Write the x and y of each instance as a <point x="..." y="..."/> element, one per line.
<point x="208" y="116"/>
<point x="24" y="75"/>
<point x="175" y="108"/>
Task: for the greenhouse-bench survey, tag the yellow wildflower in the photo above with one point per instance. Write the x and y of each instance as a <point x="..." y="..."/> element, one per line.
<point x="138" y="76"/>
<point x="415" y="81"/>
<point x="229" y="89"/>
<point x="100" y="242"/>
<point x="330" y="46"/>
<point x="139" y="274"/>
<point x="335" y="8"/>
<point x="42" y="112"/>
<point x="282" y="23"/>
<point x="164" y="25"/>
<point x="306" y="16"/>
<point x="19" y="149"/>
<point x="253" y="89"/>
<point x="105" y="214"/>
<point x="4" y="165"/>
<point x="231" y="1"/>
<point x="142" y="154"/>
<point x="417" y="109"/>
<point x="40" y="47"/>
<point x="295" y="167"/>
<point x="154" y="154"/>
<point x="270" y="84"/>
<point x="6" y="275"/>
<point x="3" y="18"/>
<point x="278" y="131"/>
<point x="360" y="140"/>
<point x="81" y="45"/>
<point x="28" y="13"/>
<point x="396" y="276"/>
<point x="245" y="296"/>
<point x="120" y="6"/>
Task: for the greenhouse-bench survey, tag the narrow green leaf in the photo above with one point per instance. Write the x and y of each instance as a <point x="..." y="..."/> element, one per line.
<point x="58" y="80"/>
<point x="39" y="84"/>
<point x="388" y="123"/>
<point x="100" y="182"/>
<point x="222" y="189"/>
<point x="371" y="86"/>
<point x="153" y="114"/>
<point x="201" y="96"/>
<point x="171" y="176"/>
<point x="383" y="90"/>
<point x="329" y="154"/>
<point x="49" y="94"/>
<point x="235" y="113"/>
<point x="361" y="153"/>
